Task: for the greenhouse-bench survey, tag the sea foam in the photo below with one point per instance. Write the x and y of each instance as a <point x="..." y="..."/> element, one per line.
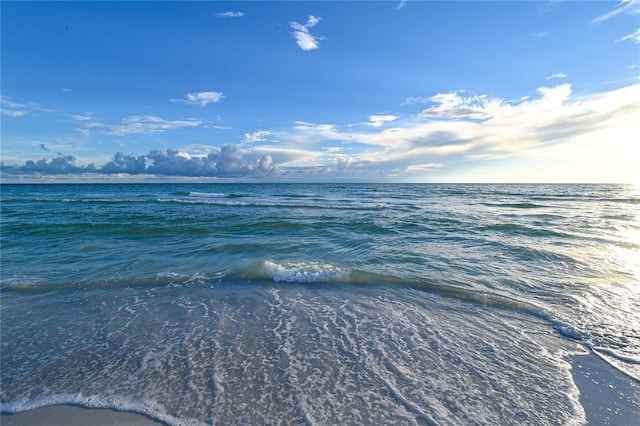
<point x="304" y="272"/>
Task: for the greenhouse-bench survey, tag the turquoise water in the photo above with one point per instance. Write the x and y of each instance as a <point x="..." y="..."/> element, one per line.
<point x="320" y="304"/>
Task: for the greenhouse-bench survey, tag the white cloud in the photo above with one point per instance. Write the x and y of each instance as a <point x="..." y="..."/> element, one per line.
<point x="78" y="117"/>
<point x="557" y="75"/>
<point x="332" y="149"/>
<point x="380" y="120"/>
<point x="258" y="136"/>
<point x="453" y="105"/>
<point x="7" y="102"/>
<point x="304" y="39"/>
<point x="140" y="124"/>
<point x="635" y="36"/>
<point x="11" y="108"/>
<point x="312" y="21"/>
<point x="13" y="113"/>
<point x="230" y="14"/>
<point x="415" y="100"/>
<point x="201" y="98"/>
<point x="477" y="129"/>
<point x="423" y="167"/>
<point x="228" y="161"/>
<point x="454" y="133"/>
<point x="625" y="6"/>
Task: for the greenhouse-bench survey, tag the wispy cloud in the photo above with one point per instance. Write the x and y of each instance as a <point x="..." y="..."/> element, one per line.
<point x="13" y="113"/>
<point x="474" y="128"/>
<point x="79" y="117"/>
<point x="446" y="131"/>
<point x="401" y="5"/>
<point x="453" y="105"/>
<point x="11" y="108"/>
<point x="635" y="36"/>
<point x="258" y="136"/>
<point x="423" y="167"/>
<point x="415" y="100"/>
<point x="140" y="124"/>
<point x="625" y="6"/>
<point x="201" y="98"/>
<point x="304" y="39"/>
<point x="557" y="75"/>
<point x="236" y="14"/>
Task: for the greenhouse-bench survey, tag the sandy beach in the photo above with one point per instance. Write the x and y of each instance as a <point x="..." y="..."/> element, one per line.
<point x="67" y="415"/>
<point x="608" y="397"/>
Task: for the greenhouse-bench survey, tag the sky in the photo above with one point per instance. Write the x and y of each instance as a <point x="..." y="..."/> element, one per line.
<point x="334" y="91"/>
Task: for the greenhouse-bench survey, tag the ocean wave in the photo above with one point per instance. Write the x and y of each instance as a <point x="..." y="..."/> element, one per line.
<point x="223" y="201"/>
<point x="207" y="194"/>
<point x="516" y="205"/>
<point x="303" y="272"/>
<point x="146" y="407"/>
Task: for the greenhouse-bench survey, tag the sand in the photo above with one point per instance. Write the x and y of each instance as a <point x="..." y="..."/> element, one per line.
<point x="68" y="415"/>
<point x="608" y="397"/>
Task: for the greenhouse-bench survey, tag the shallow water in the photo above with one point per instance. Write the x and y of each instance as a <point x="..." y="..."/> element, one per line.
<point x="321" y="304"/>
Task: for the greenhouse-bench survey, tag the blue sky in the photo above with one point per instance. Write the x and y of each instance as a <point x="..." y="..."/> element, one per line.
<point x="406" y="91"/>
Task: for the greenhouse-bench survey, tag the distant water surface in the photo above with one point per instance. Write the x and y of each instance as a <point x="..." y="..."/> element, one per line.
<point x="320" y="304"/>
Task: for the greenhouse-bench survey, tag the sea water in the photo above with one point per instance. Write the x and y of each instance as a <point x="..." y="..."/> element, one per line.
<point x="317" y="303"/>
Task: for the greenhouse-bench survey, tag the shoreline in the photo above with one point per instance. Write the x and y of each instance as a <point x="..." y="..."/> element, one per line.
<point x="607" y="395"/>
<point x="74" y="415"/>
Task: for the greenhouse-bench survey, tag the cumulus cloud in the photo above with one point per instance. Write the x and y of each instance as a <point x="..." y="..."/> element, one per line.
<point x="122" y="163"/>
<point x="201" y="98"/>
<point x="304" y="39"/>
<point x="139" y="124"/>
<point x="55" y="166"/>
<point x="228" y="161"/>
<point x="230" y="14"/>
<point x="451" y="129"/>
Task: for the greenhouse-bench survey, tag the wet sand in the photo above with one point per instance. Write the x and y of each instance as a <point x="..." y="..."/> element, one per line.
<point x="608" y="397"/>
<point x="68" y="415"/>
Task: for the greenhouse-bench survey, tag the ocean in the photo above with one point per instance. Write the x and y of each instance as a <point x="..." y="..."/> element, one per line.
<point x="257" y="303"/>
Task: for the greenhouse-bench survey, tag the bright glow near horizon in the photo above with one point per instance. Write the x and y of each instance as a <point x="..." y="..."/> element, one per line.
<point x="321" y="91"/>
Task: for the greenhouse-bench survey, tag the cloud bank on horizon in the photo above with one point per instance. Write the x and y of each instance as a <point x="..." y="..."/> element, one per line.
<point x="328" y="113"/>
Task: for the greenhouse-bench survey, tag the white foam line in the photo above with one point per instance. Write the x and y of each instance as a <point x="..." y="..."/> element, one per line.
<point x="599" y="352"/>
